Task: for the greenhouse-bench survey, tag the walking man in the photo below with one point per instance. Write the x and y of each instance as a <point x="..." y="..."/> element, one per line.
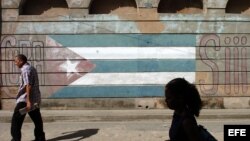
<point x="28" y="94"/>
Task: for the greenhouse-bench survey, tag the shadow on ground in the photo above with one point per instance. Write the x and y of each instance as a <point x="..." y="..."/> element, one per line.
<point x="79" y="135"/>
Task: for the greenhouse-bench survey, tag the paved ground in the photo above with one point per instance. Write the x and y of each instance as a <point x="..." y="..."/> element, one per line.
<point x="119" y="125"/>
<point x="128" y="115"/>
<point x="155" y="130"/>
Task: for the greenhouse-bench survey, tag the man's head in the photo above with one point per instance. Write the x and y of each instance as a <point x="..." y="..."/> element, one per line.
<point x="20" y="60"/>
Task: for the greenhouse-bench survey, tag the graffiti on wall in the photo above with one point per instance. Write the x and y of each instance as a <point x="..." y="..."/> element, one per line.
<point x="10" y="47"/>
<point x="56" y="65"/>
<point x="226" y="60"/>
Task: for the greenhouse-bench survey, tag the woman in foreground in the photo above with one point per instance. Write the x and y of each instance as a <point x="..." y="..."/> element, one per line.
<point x="184" y="99"/>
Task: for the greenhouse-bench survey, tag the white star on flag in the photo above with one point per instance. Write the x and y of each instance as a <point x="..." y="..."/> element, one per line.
<point x="70" y="67"/>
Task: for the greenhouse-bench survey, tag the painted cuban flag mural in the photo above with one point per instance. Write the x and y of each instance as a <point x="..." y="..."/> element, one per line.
<point x="122" y="65"/>
<point x="128" y="65"/>
<point x="100" y="65"/>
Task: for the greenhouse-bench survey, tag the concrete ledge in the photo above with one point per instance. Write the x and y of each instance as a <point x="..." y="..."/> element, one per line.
<point x="215" y="3"/>
<point x="130" y="103"/>
<point x="10" y="3"/>
<point x="237" y="102"/>
<point x="78" y="3"/>
<point x="126" y="115"/>
<point x="10" y="14"/>
<point x="147" y="3"/>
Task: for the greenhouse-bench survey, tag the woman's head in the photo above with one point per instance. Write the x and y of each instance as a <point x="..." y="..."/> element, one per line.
<point x="180" y="94"/>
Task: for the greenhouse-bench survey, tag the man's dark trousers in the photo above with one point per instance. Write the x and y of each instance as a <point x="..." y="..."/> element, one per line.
<point x="17" y="122"/>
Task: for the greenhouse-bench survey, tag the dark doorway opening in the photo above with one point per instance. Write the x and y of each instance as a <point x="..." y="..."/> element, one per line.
<point x="238" y="6"/>
<point x="107" y="6"/>
<point x="180" y="6"/>
<point x="40" y="7"/>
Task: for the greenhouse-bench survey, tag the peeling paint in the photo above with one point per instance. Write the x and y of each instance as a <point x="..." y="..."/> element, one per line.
<point x="147" y="20"/>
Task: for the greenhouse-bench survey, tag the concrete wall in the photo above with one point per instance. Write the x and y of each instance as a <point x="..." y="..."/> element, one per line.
<point x="120" y="55"/>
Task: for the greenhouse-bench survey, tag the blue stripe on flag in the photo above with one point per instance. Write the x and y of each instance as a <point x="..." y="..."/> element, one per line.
<point x="126" y="40"/>
<point x="109" y="91"/>
<point x="153" y="65"/>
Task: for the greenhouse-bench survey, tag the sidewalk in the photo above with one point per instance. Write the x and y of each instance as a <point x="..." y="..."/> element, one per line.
<point x="119" y="125"/>
<point x="126" y="115"/>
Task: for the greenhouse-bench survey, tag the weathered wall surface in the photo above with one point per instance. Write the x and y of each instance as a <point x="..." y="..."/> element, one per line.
<point x="0" y="49"/>
<point x="128" y="50"/>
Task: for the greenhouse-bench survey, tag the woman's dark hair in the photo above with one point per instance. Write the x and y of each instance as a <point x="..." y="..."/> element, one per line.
<point x="22" y="57"/>
<point x="182" y="88"/>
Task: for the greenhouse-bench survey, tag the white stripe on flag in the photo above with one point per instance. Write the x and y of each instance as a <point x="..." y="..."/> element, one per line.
<point x="135" y="52"/>
<point x="132" y="78"/>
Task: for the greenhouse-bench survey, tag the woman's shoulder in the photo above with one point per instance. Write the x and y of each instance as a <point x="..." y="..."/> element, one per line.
<point x="188" y="117"/>
<point x="188" y="120"/>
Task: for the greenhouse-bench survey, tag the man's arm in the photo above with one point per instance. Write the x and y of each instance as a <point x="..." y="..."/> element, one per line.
<point x="28" y="91"/>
